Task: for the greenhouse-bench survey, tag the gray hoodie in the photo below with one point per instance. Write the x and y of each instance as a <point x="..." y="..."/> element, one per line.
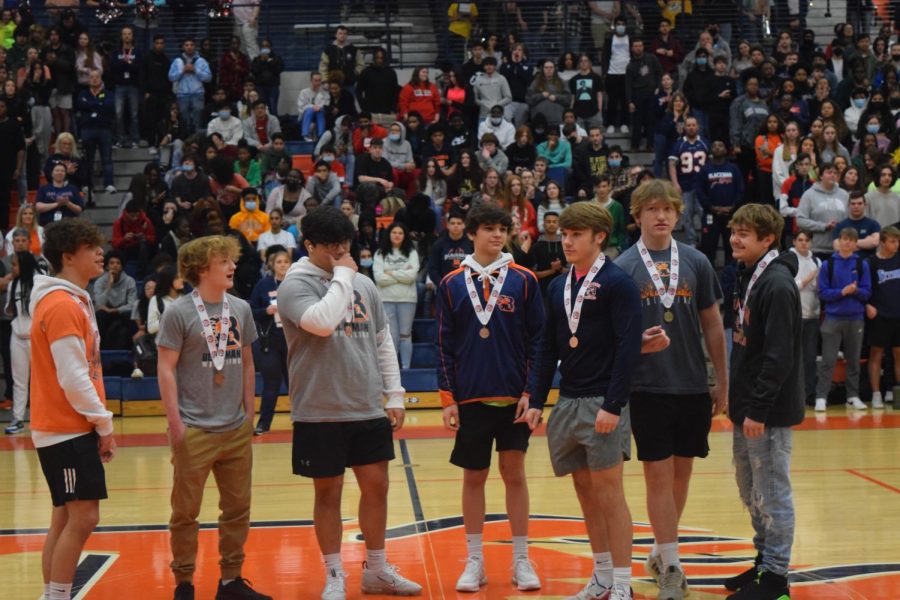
<point x="490" y="91"/>
<point x="819" y="207"/>
<point x="398" y="153"/>
<point x="746" y="117"/>
<point x="333" y="138"/>
<point x="328" y="192"/>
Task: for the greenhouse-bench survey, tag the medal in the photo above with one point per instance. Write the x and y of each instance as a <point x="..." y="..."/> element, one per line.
<point x="666" y="296"/>
<point x="216" y="351"/>
<point x="760" y="267"/>
<point x="574" y="312"/>
<point x="484" y="314"/>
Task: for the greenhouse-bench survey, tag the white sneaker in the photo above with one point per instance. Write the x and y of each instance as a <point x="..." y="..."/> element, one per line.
<point x="889" y="396"/>
<point x="821" y="405"/>
<point x="594" y="590"/>
<point x="672" y="584"/>
<point x="854" y="402"/>
<point x="335" y="587"/>
<point x="610" y="130"/>
<point x="388" y="581"/>
<point x="524" y="577"/>
<point x="137" y="374"/>
<point x="877" y="402"/>
<point x="654" y="566"/>
<point x="621" y="592"/>
<point x="623" y="129"/>
<point x="152" y="151"/>
<point x="110" y="189"/>
<point x="473" y="576"/>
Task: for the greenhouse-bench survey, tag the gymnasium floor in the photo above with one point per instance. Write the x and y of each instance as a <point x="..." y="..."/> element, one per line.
<point x="846" y="490"/>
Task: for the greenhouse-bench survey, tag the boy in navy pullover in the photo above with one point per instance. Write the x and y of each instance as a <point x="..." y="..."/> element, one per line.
<point x="720" y="186"/>
<point x="883" y="310"/>
<point x="594" y="329"/>
<point x="844" y="287"/>
<point x="490" y="316"/>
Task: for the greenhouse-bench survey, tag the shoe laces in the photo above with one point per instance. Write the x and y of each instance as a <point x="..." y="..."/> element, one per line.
<point x="335" y="581"/>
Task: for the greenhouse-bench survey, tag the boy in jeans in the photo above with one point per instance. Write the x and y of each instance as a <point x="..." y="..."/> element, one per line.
<point x="844" y="287"/>
<point x="883" y="311"/>
<point x="766" y="395"/>
<point x="207" y="383"/>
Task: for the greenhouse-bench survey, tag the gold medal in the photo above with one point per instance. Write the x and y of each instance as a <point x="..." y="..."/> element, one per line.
<point x="573" y="342"/>
<point x="219" y="378"/>
<point x="668" y="316"/>
<point x="485" y="333"/>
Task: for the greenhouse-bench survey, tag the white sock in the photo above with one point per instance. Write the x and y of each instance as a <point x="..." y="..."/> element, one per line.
<point x="603" y="568"/>
<point x="46" y="595"/>
<point x="375" y="560"/>
<point x="669" y="555"/>
<point x="655" y="550"/>
<point x="876" y="395"/>
<point x="60" y="591"/>
<point x="474" y="545"/>
<point x="520" y="547"/>
<point x="333" y="563"/>
<point x="622" y="577"/>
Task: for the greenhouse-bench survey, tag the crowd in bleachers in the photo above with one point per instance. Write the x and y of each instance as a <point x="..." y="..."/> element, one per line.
<point x="724" y="110"/>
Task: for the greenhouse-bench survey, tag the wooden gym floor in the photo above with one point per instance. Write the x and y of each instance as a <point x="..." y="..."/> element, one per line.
<point x="846" y="490"/>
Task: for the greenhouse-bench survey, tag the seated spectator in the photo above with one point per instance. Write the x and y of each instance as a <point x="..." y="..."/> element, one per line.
<point x="551" y="201"/>
<point x="433" y="184"/>
<point x="290" y="198"/>
<point x="251" y="220"/>
<point x="420" y="220"/>
<point x="883" y="203"/>
<point x="438" y="149"/>
<point x="171" y="132"/>
<point x="25" y="221"/>
<point x="465" y="181"/>
<point x="190" y="185"/>
<point x="115" y="295"/>
<point x="58" y="199"/>
<point x="460" y="134"/>
<point x="169" y="287"/>
<point x="374" y="176"/>
<point x="226" y="185"/>
<point x="500" y="127"/>
<point x="548" y="94"/>
<point x="67" y="154"/>
<point x="398" y="153"/>
<point x="490" y="156"/>
<point x="557" y="151"/>
<point x="246" y="166"/>
<point x="149" y="189"/>
<point x="340" y="101"/>
<point x="521" y="153"/>
<point x="311" y="105"/>
<point x="365" y="132"/>
<point x="491" y="189"/>
<point x="134" y="236"/>
<point x="270" y="155"/>
<point x="420" y="95"/>
<point x="603" y="198"/>
<point x="324" y="185"/>
<point x="276" y="178"/>
<point x="519" y="207"/>
<point x="176" y="237"/>
<point x="260" y="126"/>
<point x="275" y="236"/>
<point x="226" y="125"/>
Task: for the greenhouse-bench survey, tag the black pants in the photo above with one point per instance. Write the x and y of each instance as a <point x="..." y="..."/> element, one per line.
<point x="115" y="329"/>
<point x="5" y="336"/>
<point x="155" y="109"/>
<point x="715" y="228"/>
<point x="616" y="108"/>
<point x="746" y="162"/>
<point x="270" y="356"/>
<point x="6" y="185"/>
<point x="643" y="120"/>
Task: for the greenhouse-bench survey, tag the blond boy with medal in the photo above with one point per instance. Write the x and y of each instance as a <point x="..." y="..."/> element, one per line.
<point x="207" y="383"/>
<point x="671" y="402"/>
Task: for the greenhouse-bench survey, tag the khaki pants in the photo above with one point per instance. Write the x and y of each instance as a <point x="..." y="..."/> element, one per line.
<point x="229" y="456"/>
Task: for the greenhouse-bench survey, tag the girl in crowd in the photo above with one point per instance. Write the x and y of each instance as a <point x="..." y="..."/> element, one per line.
<point x="396" y="266"/>
<point x="24" y="268"/>
<point x="169" y="287"/>
<point x="26" y="219"/>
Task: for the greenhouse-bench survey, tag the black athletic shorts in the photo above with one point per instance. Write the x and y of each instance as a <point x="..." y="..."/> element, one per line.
<point x="327" y="449"/>
<point x="73" y="470"/>
<point x="667" y="425"/>
<point x="479" y="425"/>
<point x="884" y="332"/>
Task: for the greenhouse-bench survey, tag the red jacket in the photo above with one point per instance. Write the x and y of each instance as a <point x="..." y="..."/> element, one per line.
<point x="361" y="142"/>
<point x="422" y="98"/>
<point x="123" y="225"/>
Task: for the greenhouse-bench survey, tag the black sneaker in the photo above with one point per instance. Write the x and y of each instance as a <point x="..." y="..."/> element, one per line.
<point x="239" y="589"/>
<point x="766" y="586"/>
<point x="260" y="430"/>
<point x="184" y="591"/>
<point x="738" y="581"/>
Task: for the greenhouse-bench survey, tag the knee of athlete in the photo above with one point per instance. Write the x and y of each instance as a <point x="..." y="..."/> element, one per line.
<point x="475" y="478"/>
<point x="513" y="475"/>
<point x="329" y="495"/>
<point x="85" y="523"/>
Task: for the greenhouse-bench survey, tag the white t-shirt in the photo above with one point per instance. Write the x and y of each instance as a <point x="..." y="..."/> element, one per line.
<point x="620" y="55"/>
<point x="268" y="238"/>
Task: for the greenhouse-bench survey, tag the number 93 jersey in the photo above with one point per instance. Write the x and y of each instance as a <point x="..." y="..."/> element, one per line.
<point x="688" y="156"/>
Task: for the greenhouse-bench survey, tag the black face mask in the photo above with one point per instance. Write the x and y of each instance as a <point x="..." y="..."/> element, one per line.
<point x="291" y="184"/>
<point x="895" y="102"/>
<point x="876" y="105"/>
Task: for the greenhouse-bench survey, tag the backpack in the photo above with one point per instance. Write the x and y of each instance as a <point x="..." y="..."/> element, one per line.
<point x="859" y="268"/>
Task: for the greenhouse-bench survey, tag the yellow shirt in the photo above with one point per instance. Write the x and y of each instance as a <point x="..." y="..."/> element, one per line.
<point x="461" y="26"/>
<point x="671" y="9"/>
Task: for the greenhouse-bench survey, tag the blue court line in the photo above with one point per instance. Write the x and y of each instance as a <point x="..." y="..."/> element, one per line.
<point x="418" y="513"/>
<point x="161" y="527"/>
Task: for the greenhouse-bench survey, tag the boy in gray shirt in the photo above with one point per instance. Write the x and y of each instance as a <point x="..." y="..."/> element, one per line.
<point x="341" y="363"/>
<point x="207" y="382"/>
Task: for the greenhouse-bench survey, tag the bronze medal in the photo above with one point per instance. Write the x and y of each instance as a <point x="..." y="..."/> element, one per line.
<point x="573" y="342"/>
<point x="219" y="378"/>
<point x="668" y="316"/>
<point x="485" y="333"/>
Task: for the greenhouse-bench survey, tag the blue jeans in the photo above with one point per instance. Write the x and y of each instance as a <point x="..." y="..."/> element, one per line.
<point x="272" y="365"/>
<point x="306" y="120"/>
<point x="762" y="468"/>
<point x="191" y="109"/>
<point x="661" y="159"/>
<point x="98" y="138"/>
<point x="400" y="319"/>
<point x="691" y="208"/>
<point x="132" y="95"/>
<point x="269" y="94"/>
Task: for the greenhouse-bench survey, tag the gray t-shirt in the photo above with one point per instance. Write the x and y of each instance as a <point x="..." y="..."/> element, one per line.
<point x="334" y="378"/>
<point x="201" y="402"/>
<point x="680" y="368"/>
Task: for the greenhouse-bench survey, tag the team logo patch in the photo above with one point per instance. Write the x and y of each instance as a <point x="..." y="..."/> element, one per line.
<point x="506" y="304"/>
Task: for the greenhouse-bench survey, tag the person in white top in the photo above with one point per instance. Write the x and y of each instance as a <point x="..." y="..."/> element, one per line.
<point x="806" y="278"/>
<point x="784" y="157"/>
<point x="169" y="287"/>
<point x="500" y="127"/>
<point x="227" y="125"/>
<point x="246" y="26"/>
<point x="619" y="47"/>
<point x="276" y="235"/>
<point x="395" y="268"/>
<point x="310" y="103"/>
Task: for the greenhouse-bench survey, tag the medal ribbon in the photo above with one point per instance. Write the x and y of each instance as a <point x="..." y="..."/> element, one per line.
<point x="89" y="313"/>
<point x="760" y="267"/>
<point x="667" y="297"/>
<point x="217" y="354"/>
<point x="484" y="314"/>
<point x="574" y="312"/>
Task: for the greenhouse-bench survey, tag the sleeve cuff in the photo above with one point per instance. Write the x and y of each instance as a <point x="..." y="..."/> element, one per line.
<point x="395" y="401"/>
<point x="611" y="407"/>
<point x="447" y="398"/>
<point x="106" y="428"/>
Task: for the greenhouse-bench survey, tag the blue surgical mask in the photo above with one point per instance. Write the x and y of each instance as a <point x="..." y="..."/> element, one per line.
<point x="187" y="168"/>
<point x="265" y="51"/>
<point x="394" y="137"/>
<point x="328" y="157"/>
<point x="873" y="128"/>
<point x="224" y="114"/>
<point x="496" y="121"/>
<point x="365" y="263"/>
<point x="250" y="206"/>
<point x="702" y="61"/>
<point x="615" y="162"/>
<point x="859" y="102"/>
<point x="620" y="30"/>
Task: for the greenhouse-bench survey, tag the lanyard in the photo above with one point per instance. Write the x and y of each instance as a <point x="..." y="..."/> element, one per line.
<point x="574" y="313"/>
<point x="216" y="353"/>
<point x="484" y="314"/>
<point x="765" y="262"/>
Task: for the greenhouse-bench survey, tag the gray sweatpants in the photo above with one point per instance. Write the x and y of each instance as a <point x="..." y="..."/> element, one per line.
<point x="836" y="333"/>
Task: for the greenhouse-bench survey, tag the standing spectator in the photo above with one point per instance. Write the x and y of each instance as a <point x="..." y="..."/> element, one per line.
<point x="134" y="236"/>
<point x="587" y="94"/>
<point x="616" y="56"/>
<point x="157" y="91"/>
<point x="275" y="236"/>
<point x="115" y="296"/>
<point x="883" y="311"/>
<point x="234" y="70"/>
<point x="37" y="86"/>
<point x="260" y="126"/>
<point x="688" y="155"/>
<point x="699" y="89"/>
<point x="378" y="90"/>
<point x="771" y="135"/>
<point x="189" y="72"/>
<point x="602" y="14"/>
<point x="807" y="281"/>
<point x="844" y="284"/>
<point x="246" y="26"/>
<point x="822" y="207"/>
<point x="396" y="265"/>
<point x="720" y="188"/>
<point x="867" y="230"/>
<point x="642" y="79"/>
<point x="61" y="61"/>
<point x="462" y="17"/>
<point x="748" y="112"/>
<point x="420" y="95"/>
<point x="667" y="49"/>
<point x="12" y="159"/>
<point x="58" y="199"/>
<point x="491" y="88"/>
<point x="311" y="105"/>
<point x="519" y="75"/>
<point x="883" y="203"/>
<point x="266" y="69"/>
<point x="342" y="57"/>
<point x="125" y="71"/>
<point x="548" y="95"/>
<point x="70" y="28"/>
<point x="724" y="91"/>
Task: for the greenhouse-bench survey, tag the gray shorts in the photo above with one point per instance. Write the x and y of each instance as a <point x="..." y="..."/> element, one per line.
<point x="58" y="100"/>
<point x="575" y="445"/>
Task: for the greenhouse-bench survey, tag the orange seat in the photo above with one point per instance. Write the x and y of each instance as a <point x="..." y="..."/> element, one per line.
<point x="304" y="163"/>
